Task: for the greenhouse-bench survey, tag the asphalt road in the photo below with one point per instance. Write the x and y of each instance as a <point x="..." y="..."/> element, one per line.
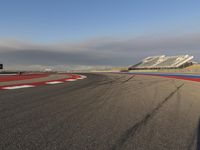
<point x="103" y="112"/>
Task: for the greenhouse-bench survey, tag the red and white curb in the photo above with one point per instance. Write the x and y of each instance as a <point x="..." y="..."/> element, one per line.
<point x="54" y="82"/>
<point x="70" y="79"/>
<point x="17" y="87"/>
<point x="73" y="77"/>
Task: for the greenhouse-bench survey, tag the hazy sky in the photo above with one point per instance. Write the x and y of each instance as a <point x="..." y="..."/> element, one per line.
<point x="96" y="32"/>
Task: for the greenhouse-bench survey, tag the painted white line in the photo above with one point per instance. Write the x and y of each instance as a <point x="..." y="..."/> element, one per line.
<point x="80" y="78"/>
<point x="70" y="79"/>
<point x="83" y="77"/>
<point x="54" y="82"/>
<point x="17" y="87"/>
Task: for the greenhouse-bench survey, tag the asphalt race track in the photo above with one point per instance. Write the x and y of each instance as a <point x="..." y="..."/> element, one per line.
<point x="103" y="112"/>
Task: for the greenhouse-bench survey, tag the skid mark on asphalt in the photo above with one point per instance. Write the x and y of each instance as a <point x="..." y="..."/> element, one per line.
<point x="83" y="107"/>
<point x="42" y="100"/>
<point x="132" y="131"/>
<point x="115" y="80"/>
<point x="86" y="109"/>
<point x="111" y="81"/>
<point x="129" y="79"/>
<point x="56" y="95"/>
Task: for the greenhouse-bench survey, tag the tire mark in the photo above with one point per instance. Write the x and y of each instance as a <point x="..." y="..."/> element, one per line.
<point x="128" y="79"/>
<point x="87" y="103"/>
<point x="61" y="119"/>
<point x="110" y="81"/>
<point x="41" y="100"/>
<point x="132" y="131"/>
<point x="44" y="99"/>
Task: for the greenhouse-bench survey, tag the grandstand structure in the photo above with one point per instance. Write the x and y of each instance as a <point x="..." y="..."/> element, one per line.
<point x="163" y="62"/>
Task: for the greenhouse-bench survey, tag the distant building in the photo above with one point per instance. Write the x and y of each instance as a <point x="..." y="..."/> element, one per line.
<point x="1" y="66"/>
<point x="48" y="70"/>
<point x="163" y="62"/>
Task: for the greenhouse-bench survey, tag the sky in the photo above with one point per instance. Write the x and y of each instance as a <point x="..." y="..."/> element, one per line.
<point x="86" y="33"/>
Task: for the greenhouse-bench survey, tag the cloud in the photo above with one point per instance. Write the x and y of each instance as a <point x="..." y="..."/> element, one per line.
<point x="97" y="51"/>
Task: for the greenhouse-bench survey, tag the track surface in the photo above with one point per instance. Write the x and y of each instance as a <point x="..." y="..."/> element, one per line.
<point x="103" y="112"/>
